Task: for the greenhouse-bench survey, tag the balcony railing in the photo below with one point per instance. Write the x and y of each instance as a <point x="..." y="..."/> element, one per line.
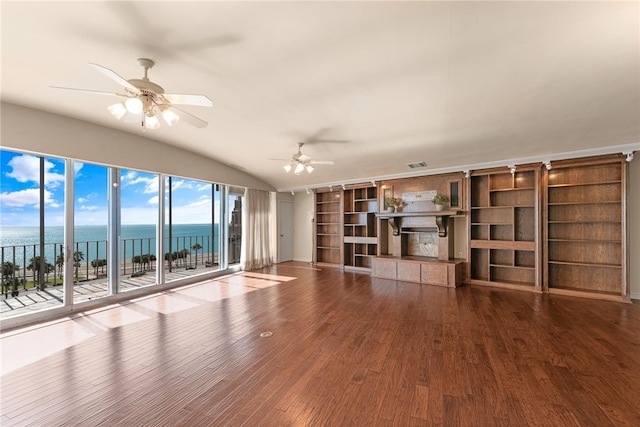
<point x="21" y="264"/>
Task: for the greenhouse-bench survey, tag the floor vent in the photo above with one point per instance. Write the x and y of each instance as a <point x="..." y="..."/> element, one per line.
<point x="417" y="165"/>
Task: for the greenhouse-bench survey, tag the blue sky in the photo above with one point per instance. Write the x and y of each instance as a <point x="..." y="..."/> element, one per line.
<point x="20" y="183"/>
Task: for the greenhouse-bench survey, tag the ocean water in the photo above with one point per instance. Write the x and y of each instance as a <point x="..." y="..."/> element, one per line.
<point x="22" y="243"/>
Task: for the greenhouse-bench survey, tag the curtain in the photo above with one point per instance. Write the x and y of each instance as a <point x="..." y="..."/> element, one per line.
<point x="257" y="230"/>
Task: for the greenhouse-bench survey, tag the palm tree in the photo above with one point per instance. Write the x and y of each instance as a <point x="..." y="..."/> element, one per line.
<point x="136" y="260"/>
<point x="60" y="262"/>
<point x="9" y="270"/>
<point x="48" y="268"/>
<point x="78" y="256"/>
<point x="34" y="265"/>
<point x="196" y="247"/>
<point x="98" y="263"/>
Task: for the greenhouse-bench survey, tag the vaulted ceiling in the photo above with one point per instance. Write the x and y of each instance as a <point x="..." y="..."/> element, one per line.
<point x="372" y="86"/>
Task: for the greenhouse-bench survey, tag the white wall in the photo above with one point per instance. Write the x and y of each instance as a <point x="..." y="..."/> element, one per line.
<point x="39" y="132"/>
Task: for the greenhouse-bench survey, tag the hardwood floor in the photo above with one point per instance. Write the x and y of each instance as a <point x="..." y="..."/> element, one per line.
<point x="345" y="350"/>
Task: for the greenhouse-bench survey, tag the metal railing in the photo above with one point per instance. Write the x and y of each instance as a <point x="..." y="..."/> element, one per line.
<point x="21" y="263"/>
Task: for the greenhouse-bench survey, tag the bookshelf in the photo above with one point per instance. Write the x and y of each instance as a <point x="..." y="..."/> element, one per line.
<point x="585" y="229"/>
<point x="504" y="229"/>
<point x="329" y="228"/>
<point x="360" y="228"/>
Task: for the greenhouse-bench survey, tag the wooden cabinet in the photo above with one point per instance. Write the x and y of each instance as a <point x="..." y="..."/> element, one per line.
<point x="503" y="249"/>
<point x="585" y="251"/>
<point x="414" y="269"/>
<point x="329" y="228"/>
<point x="360" y="228"/>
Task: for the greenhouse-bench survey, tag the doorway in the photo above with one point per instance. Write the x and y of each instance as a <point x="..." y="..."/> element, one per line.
<point x="285" y="231"/>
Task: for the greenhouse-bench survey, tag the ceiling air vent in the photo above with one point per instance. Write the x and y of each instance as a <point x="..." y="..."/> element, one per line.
<point x="417" y="165"/>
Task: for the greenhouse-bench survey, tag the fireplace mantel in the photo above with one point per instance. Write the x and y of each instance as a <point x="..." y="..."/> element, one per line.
<point x="441" y="217"/>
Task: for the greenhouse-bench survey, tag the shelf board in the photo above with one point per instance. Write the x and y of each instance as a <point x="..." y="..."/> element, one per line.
<point x="364" y="240"/>
<point x="516" y="245"/>
<point x="585" y="264"/>
<point x="585" y="241"/>
<point x="583" y="184"/>
<point x="491" y="223"/>
<point x="583" y="222"/>
<point x="511" y="189"/>
<point x="615" y="202"/>
<point x="518" y="267"/>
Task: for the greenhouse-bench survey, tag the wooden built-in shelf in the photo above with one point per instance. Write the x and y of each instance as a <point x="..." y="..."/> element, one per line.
<point x="503" y="229"/>
<point x="585" y="249"/>
<point x="360" y="231"/>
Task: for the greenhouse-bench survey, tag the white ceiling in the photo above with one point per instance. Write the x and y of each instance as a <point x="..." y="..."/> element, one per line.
<point x="449" y="83"/>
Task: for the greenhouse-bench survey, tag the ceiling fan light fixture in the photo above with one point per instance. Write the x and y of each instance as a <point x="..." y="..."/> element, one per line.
<point x="287" y="168"/>
<point x="151" y="122"/>
<point x="299" y="168"/>
<point x="309" y="168"/>
<point x="117" y="110"/>
<point x="134" y="105"/>
<point x="170" y="117"/>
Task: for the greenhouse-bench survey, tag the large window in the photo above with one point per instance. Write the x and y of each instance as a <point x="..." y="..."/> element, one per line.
<point x="112" y="224"/>
<point x="139" y="201"/>
<point x="192" y="227"/>
<point x="90" y="238"/>
<point x="31" y="232"/>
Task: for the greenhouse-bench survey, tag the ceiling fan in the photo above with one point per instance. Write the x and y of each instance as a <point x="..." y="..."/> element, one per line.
<point x="143" y="100"/>
<point x="300" y="162"/>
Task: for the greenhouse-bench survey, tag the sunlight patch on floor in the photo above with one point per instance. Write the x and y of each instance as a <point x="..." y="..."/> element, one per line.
<point x="23" y="347"/>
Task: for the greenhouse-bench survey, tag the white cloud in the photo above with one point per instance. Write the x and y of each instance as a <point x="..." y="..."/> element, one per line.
<point x="176" y="184"/>
<point x="202" y="201"/>
<point x="153" y="200"/>
<point x="198" y="212"/>
<point x="27" y="197"/>
<point x="150" y="183"/>
<point x="87" y="198"/>
<point x="26" y="168"/>
<point x="204" y="187"/>
<point x="89" y="208"/>
<point x="76" y="168"/>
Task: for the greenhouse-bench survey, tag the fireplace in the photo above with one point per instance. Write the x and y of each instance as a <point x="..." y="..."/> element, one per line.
<point x="423" y="242"/>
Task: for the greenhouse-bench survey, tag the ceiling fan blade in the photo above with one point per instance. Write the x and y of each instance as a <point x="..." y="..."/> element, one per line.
<point x="95" y="92"/>
<point x="281" y="160"/>
<point x="322" y="162"/>
<point x="303" y="158"/>
<point x="116" y="77"/>
<point x="191" y="119"/>
<point x="180" y="99"/>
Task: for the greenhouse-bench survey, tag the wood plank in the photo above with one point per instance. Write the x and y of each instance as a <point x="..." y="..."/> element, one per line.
<point x="346" y="349"/>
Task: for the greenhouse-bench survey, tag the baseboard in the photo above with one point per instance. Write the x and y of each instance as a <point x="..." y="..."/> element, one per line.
<point x="635" y="295"/>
